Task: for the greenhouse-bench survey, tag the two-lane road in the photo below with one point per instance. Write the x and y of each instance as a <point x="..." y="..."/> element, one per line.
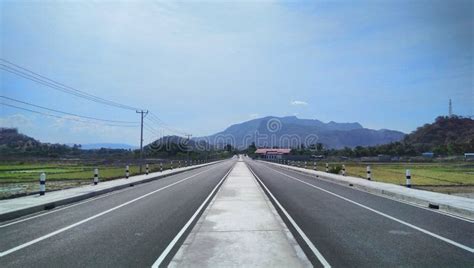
<point x="353" y="228"/>
<point x="127" y="228"/>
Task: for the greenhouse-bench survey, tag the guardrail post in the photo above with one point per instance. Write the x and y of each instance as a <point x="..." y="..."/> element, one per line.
<point x="171" y="165"/>
<point x="327" y="167"/>
<point x="369" y="173"/>
<point x="408" y="177"/>
<point x="161" y="166"/>
<point x="179" y="163"/>
<point x="343" y="170"/>
<point x="96" y="176"/>
<point x="305" y="164"/>
<point x="127" y="172"/>
<point x="315" y="167"/>
<point x="42" y="183"/>
<point x="147" y="169"/>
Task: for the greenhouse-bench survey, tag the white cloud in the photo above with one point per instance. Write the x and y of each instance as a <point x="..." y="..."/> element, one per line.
<point x="253" y="116"/>
<point x="298" y="103"/>
<point x="16" y="121"/>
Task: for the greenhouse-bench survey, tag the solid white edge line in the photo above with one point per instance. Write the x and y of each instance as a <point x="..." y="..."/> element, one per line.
<point x="454" y="243"/>
<point x="175" y="240"/>
<point x="313" y="248"/>
<point x="4" y="253"/>
<point x="303" y="172"/>
<point x="40" y="214"/>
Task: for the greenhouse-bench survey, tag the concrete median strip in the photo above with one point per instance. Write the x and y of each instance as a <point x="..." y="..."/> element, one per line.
<point x="240" y="228"/>
<point x="18" y="207"/>
<point x="455" y="205"/>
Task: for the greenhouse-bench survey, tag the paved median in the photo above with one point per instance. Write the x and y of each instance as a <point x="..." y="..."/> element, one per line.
<point x="240" y="228"/>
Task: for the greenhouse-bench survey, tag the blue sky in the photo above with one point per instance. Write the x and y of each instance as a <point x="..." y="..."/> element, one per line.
<point x="201" y="66"/>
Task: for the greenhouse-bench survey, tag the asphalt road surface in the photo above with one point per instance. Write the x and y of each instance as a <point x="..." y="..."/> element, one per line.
<point x="134" y="226"/>
<point x="127" y="228"/>
<point x="353" y="228"/>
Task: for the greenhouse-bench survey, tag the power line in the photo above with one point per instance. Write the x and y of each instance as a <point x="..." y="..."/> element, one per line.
<point x="67" y="113"/>
<point x="166" y="126"/>
<point x="153" y="129"/>
<point x="61" y="117"/>
<point x="26" y="73"/>
<point x="36" y="77"/>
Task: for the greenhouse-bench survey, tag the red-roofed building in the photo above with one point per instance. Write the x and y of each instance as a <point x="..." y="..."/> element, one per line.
<point x="269" y="153"/>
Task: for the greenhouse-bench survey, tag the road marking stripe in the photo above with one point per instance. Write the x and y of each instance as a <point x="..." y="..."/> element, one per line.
<point x="304" y="173"/>
<point x="382" y="214"/>
<point x="175" y="240"/>
<point x="59" y="209"/>
<point x="4" y="253"/>
<point x="313" y="248"/>
<point x="82" y="202"/>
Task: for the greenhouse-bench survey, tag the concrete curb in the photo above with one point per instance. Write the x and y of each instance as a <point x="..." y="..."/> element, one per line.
<point x="456" y="205"/>
<point x="10" y="215"/>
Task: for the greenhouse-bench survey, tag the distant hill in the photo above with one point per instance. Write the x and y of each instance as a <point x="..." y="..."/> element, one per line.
<point x="14" y="143"/>
<point x="93" y="146"/>
<point x="291" y="131"/>
<point x="10" y="138"/>
<point x="181" y="142"/>
<point x="447" y="135"/>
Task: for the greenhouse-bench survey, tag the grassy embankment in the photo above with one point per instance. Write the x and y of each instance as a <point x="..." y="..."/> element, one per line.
<point x="19" y="179"/>
<point x="446" y="177"/>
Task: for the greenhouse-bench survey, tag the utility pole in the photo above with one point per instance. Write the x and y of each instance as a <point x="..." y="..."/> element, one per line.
<point x="142" y="114"/>
<point x="450" y="108"/>
<point x="189" y="138"/>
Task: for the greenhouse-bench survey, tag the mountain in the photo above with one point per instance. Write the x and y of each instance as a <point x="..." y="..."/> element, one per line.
<point x="92" y="146"/>
<point x="446" y="135"/>
<point x="291" y="131"/>
<point x="11" y="138"/>
<point x="180" y="142"/>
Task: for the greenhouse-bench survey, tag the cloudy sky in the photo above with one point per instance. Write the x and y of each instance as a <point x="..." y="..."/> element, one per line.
<point x="203" y="65"/>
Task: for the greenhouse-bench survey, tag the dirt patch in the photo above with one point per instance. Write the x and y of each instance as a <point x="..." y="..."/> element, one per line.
<point x="12" y="190"/>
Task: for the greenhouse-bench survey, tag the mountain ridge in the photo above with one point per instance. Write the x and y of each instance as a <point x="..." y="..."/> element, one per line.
<point x="291" y="131"/>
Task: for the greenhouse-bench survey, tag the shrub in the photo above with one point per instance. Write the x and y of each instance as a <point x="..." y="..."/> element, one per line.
<point x="335" y="169"/>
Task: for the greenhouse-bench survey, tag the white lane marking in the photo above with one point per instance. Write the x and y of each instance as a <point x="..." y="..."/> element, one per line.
<point x="313" y="248"/>
<point x="4" y="253"/>
<point x="454" y="243"/>
<point x="83" y="202"/>
<point x="304" y="173"/>
<point x="56" y="210"/>
<point x="175" y="240"/>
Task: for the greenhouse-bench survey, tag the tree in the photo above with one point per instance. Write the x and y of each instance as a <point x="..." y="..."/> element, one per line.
<point x="319" y="147"/>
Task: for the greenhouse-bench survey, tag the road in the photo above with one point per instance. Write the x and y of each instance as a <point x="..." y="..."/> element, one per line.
<point x="334" y="224"/>
<point x="353" y="228"/>
<point x="127" y="228"/>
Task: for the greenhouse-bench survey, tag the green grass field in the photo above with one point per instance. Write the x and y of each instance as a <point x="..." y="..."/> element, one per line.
<point x="437" y="174"/>
<point x="16" y="173"/>
<point x="20" y="179"/>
